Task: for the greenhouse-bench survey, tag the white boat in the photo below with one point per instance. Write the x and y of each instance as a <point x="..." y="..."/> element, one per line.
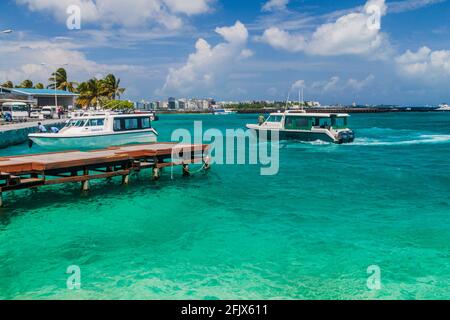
<point x="223" y="112"/>
<point x="99" y="130"/>
<point x="443" y="107"/>
<point x="304" y="126"/>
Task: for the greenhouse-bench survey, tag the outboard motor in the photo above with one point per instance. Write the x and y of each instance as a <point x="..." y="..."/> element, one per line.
<point x="351" y="136"/>
<point x="343" y="137"/>
<point x="346" y="136"/>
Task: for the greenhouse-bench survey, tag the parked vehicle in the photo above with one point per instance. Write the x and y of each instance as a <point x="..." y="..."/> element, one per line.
<point x="15" y="111"/>
<point x="35" y="113"/>
<point x="48" y="112"/>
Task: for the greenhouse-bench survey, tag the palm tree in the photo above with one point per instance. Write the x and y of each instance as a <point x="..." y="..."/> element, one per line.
<point x="8" y="84"/>
<point x="26" y="84"/>
<point x="39" y="86"/>
<point x="90" y="93"/>
<point x="111" y="87"/>
<point x="61" y="81"/>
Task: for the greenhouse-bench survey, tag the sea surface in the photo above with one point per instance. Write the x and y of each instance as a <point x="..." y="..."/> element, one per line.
<point x="309" y="232"/>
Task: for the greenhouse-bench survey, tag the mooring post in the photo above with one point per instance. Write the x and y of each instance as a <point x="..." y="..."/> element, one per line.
<point x="126" y="179"/>
<point x="1" y="199"/>
<point x="85" y="183"/>
<point x="156" y="173"/>
<point x="186" y="172"/>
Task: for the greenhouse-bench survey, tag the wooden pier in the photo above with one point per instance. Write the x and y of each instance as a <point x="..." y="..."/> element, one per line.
<point x="34" y="171"/>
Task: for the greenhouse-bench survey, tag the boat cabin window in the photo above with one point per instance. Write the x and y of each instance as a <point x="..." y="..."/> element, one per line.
<point x="339" y="123"/>
<point x="117" y="125"/>
<point x="275" y="119"/>
<point x="131" y="124"/>
<point x="95" y="123"/>
<point x="322" y="122"/>
<point x="297" y="123"/>
<point x="146" y="123"/>
<point x="125" y="124"/>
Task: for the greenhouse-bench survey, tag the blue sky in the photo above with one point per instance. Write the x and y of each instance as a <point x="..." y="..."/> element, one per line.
<point x="239" y="50"/>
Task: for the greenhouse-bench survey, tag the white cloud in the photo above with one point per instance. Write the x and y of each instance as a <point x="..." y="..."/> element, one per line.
<point x="204" y="67"/>
<point x="358" y="85"/>
<point x="272" y="5"/>
<point x="124" y="13"/>
<point x="425" y="64"/>
<point x="246" y="53"/>
<point x="353" y="33"/>
<point x="402" y="6"/>
<point x="281" y="39"/>
<point x="23" y="60"/>
<point x="299" y="84"/>
<point x="189" y="7"/>
<point x="336" y="84"/>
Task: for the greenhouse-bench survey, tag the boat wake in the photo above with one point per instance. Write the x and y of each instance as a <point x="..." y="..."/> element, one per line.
<point x="295" y="144"/>
<point x="420" y="139"/>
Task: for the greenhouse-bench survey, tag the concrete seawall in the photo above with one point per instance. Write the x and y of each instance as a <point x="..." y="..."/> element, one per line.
<point x="13" y="134"/>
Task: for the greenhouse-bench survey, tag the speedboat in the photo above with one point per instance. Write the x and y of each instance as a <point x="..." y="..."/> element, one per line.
<point x="304" y="126"/>
<point x="223" y="112"/>
<point x="443" y="107"/>
<point x="99" y="130"/>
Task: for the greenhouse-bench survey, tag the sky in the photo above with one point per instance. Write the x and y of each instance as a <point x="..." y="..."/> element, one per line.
<point x="363" y="51"/>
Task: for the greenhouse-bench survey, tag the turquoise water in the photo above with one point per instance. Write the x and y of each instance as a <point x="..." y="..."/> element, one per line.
<point x="309" y="232"/>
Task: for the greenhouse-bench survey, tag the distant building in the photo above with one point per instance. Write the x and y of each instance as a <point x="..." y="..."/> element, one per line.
<point x="172" y="103"/>
<point x="182" y="104"/>
<point x="142" y="105"/>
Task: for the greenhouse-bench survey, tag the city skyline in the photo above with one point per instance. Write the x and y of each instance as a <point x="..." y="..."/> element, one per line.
<point x="257" y="50"/>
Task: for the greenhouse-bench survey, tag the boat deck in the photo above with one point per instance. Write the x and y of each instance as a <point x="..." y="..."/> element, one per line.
<point x="35" y="170"/>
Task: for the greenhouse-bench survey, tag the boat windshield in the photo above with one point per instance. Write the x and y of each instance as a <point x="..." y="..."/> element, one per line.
<point x="76" y="123"/>
<point x="275" y="119"/>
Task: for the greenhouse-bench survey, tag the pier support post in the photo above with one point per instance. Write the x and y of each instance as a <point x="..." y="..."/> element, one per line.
<point x="126" y="179"/>
<point x="1" y="199"/>
<point x="85" y="185"/>
<point x="109" y="169"/>
<point x="156" y="173"/>
<point x="186" y="172"/>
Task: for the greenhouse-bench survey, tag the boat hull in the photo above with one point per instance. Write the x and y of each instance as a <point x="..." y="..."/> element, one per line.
<point x="97" y="141"/>
<point x="306" y="136"/>
<point x="299" y="136"/>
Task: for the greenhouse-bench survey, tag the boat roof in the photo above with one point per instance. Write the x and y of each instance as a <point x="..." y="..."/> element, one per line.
<point x="310" y="114"/>
<point x="96" y="115"/>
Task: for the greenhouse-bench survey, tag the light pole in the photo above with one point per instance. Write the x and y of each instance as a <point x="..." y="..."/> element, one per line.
<point x="56" y="94"/>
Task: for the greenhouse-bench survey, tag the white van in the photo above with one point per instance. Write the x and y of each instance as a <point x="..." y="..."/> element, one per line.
<point x="48" y="112"/>
<point x="18" y="111"/>
<point x="35" y="113"/>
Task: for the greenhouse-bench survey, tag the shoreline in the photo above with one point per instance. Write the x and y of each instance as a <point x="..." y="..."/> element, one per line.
<point x="315" y="110"/>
